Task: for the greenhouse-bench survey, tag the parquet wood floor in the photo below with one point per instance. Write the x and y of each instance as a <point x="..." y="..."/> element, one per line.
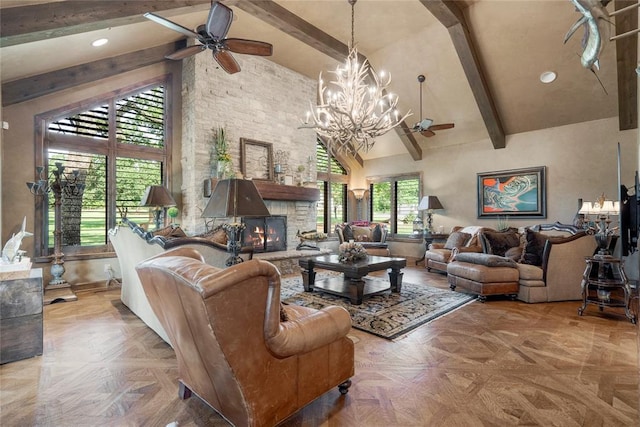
<point x="501" y="363"/>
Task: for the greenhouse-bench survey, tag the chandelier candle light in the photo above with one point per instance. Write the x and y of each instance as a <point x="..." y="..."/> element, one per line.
<point x="354" y="113"/>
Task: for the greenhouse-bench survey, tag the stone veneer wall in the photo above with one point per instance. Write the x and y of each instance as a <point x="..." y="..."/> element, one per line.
<point x="264" y="102"/>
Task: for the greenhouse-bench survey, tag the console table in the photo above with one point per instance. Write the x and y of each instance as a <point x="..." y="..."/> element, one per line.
<point x="605" y="284"/>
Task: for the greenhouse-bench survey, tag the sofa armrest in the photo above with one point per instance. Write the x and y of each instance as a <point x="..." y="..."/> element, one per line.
<point x="469" y="249"/>
<point x="311" y="331"/>
<point x="436" y="245"/>
<point x="563" y="265"/>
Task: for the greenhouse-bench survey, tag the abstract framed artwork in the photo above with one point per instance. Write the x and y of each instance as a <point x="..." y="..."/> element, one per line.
<point x="517" y="193"/>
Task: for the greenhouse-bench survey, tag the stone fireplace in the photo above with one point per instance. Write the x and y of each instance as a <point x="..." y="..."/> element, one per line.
<point x="266" y="234"/>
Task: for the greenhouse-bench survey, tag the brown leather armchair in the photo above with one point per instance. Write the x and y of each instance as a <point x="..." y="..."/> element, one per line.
<point x="253" y="360"/>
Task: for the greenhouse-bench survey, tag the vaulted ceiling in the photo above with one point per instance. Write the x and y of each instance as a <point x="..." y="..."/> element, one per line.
<point x="482" y="58"/>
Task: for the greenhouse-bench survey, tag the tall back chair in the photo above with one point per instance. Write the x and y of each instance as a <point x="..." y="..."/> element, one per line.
<point x="253" y="360"/>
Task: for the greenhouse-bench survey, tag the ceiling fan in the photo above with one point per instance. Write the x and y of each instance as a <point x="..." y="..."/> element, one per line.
<point x="425" y="126"/>
<point x="212" y="35"/>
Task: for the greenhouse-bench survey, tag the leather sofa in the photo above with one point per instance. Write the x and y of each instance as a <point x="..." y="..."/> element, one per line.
<point x="372" y="236"/>
<point x="546" y="266"/>
<point x="133" y="244"/>
<point x="250" y="358"/>
<point x="461" y="239"/>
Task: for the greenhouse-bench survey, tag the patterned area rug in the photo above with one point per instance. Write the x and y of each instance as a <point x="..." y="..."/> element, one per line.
<point x="389" y="315"/>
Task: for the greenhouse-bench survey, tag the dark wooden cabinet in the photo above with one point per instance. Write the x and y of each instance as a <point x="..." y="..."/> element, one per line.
<point x="21" y="317"/>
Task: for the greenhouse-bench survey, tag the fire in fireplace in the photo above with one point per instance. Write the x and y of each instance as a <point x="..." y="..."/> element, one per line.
<point x="266" y="234"/>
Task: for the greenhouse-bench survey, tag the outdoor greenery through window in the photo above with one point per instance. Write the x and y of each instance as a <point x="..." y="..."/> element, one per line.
<point x="119" y="148"/>
<point x="332" y="183"/>
<point x="394" y="200"/>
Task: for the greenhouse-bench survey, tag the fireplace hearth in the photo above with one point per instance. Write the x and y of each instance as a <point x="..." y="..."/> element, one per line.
<point x="266" y="234"/>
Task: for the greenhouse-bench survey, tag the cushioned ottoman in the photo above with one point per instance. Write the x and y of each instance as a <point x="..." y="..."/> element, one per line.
<point x="484" y="275"/>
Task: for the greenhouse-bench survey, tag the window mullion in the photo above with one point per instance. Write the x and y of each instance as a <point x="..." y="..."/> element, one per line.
<point x="111" y="167"/>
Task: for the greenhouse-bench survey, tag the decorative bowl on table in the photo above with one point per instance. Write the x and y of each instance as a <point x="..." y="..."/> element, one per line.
<point x="351" y="251"/>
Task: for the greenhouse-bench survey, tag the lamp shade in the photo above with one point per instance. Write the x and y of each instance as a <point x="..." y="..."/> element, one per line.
<point x="586" y="208"/>
<point x="430" y="202"/>
<point x="235" y="198"/>
<point x="157" y="196"/>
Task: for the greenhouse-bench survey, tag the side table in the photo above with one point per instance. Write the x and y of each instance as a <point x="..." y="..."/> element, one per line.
<point x="430" y="238"/>
<point x="605" y="284"/>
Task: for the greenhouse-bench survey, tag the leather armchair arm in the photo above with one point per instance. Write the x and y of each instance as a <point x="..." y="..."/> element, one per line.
<point x="309" y="332"/>
<point x="436" y="245"/>
<point x="462" y="249"/>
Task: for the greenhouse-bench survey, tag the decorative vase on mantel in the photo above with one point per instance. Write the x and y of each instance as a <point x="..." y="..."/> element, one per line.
<point x="222" y="169"/>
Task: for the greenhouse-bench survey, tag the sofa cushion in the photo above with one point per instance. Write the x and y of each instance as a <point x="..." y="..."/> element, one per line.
<point x="360" y="234"/>
<point x="347" y="233"/>
<point x="457" y="239"/>
<point x="486" y="259"/>
<point x="499" y="242"/>
<point x="530" y="272"/>
<point x="534" y="247"/>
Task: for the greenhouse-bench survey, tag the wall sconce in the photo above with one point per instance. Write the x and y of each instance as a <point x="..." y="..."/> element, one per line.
<point x="358" y="193"/>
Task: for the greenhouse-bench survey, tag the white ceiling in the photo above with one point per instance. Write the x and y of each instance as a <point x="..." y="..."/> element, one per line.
<point x="515" y="42"/>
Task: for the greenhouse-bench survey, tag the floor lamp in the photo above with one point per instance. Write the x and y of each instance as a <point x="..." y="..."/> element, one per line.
<point x="235" y="198"/>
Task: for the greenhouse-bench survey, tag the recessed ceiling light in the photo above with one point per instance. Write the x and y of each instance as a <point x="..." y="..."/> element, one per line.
<point x="99" y="42"/>
<point x="548" y="76"/>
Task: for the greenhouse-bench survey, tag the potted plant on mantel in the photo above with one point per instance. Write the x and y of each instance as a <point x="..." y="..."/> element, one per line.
<point x="220" y="153"/>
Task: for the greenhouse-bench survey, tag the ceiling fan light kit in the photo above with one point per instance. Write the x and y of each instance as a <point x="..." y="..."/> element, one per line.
<point x="350" y="112"/>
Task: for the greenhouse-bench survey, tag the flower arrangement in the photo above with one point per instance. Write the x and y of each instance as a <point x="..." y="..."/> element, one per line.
<point x="351" y="251"/>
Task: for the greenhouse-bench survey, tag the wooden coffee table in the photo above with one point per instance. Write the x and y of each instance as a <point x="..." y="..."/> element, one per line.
<point x="354" y="285"/>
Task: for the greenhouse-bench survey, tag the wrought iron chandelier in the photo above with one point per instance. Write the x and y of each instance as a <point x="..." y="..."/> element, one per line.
<point x="352" y="113"/>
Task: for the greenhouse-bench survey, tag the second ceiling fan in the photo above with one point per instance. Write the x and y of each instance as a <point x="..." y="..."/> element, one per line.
<point x="212" y="35"/>
<point x="425" y="126"/>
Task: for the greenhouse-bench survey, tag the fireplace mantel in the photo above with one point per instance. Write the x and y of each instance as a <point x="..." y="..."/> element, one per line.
<point x="272" y="191"/>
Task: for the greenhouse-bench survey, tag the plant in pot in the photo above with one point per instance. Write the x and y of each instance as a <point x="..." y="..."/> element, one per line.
<point x="220" y="153"/>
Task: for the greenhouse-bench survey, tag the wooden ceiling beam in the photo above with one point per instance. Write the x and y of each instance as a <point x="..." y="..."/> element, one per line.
<point x="451" y="16"/>
<point x="282" y="19"/>
<point x="33" y="87"/>
<point x="25" y="24"/>
<point x="627" y="61"/>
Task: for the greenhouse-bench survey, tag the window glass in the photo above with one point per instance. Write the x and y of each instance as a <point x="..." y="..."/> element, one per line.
<point x="394" y="200"/>
<point x="115" y="165"/>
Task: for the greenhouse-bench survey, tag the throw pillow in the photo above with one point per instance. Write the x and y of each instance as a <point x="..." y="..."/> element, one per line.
<point x="376" y="236"/>
<point x="170" y="232"/>
<point x="361" y="234"/>
<point x="499" y="242"/>
<point x="457" y="239"/>
<point x="283" y="314"/>
<point x="347" y="233"/>
<point x="534" y="247"/>
<point x="486" y="259"/>
<point x="514" y="253"/>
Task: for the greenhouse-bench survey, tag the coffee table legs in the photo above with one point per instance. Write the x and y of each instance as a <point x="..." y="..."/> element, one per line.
<point x="395" y="277"/>
<point x="308" y="277"/>
<point x="356" y="289"/>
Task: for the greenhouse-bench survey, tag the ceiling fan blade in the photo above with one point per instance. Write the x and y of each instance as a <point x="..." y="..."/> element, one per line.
<point x="185" y="52"/>
<point x="219" y="21"/>
<point x="226" y="61"/>
<point x="249" y="47"/>
<point x="171" y="25"/>
<point x="442" y="126"/>
<point x="427" y="133"/>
